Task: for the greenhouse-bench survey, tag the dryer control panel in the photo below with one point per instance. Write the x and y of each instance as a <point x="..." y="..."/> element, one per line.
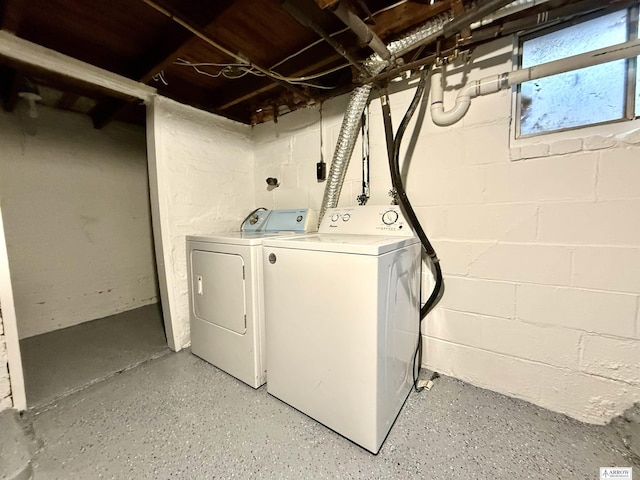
<point x="297" y="220"/>
<point x="366" y="220"/>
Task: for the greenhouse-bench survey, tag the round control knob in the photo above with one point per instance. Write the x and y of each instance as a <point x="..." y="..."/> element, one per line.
<point x="272" y="258"/>
<point x="390" y="217"/>
<point x="299" y="218"/>
<point x="335" y="217"/>
<point x="346" y="217"/>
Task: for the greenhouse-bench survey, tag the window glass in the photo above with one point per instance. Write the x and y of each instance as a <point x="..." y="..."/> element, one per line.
<point x="581" y="97"/>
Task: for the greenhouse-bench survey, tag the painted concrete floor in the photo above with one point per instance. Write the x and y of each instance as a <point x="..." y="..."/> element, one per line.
<point x="179" y="417"/>
<point x="66" y="360"/>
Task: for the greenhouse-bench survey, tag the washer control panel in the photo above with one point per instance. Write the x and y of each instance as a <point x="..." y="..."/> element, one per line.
<point x="366" y="220"/>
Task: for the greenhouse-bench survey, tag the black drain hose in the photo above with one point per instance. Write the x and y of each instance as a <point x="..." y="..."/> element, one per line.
<point x="407" y="209"/>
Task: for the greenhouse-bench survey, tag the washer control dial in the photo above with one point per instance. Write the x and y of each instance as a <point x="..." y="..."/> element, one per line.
<point x="346" y="217"/>
<point x="390" y="217"/>
<point x="335" y="217"/>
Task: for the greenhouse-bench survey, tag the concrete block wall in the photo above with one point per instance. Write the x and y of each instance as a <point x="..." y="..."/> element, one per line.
<point x="5" y="384"/>
<point x="77" y="218"/>
<point x="539" y="240"/>
<point x="204" y="180"/>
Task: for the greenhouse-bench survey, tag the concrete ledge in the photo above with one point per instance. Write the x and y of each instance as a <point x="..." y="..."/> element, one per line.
<point x="15" y="455"/>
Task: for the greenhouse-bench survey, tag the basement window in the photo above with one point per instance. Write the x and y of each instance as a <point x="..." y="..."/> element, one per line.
<point x="588" y="96"/>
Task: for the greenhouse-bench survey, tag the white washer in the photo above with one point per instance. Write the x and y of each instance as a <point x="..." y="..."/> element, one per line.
<point x="342" y="316"/>
<point x="226" y="298"/>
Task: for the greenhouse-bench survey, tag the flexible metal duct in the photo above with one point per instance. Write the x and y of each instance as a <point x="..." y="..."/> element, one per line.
<point x="374" y="65"/>
<point x="358" y="100"/>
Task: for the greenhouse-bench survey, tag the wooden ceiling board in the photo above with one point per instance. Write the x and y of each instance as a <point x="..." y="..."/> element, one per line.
<point x="138" y="40"/>
<point x="101" y="33"/>
<point x="259" y="29"/>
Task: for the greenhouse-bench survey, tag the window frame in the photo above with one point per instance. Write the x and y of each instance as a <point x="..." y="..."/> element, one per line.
<point x="630" y="79"/>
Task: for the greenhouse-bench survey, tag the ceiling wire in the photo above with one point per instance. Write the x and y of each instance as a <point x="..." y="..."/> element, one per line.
<point x="225" y="68"/>
<point x="251" y="67"/>
<point x="213" y="43"/>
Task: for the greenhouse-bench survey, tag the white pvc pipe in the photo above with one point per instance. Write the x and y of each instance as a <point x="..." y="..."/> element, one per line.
<point x="495" y="83"/>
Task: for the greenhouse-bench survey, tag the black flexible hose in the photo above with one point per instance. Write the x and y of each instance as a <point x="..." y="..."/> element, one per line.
<point x="407" y="209"/>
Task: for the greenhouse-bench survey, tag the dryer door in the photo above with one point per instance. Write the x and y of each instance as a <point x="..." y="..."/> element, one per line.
<point x="218" y="289"/>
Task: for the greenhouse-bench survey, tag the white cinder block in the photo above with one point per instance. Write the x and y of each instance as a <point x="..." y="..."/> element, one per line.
<point x="306" y="147"/>
<point x="565" y="146"/>
<point x="264" y="198"/>
<point x="492" y="138"/>
<point x="5" y="386"/>
<point x="483" y="110"/>
<point x="619" y="173"/>
<point x="631" y="138"/>
<point x="585" y="397"/>
<point x="598" y="142"/>
<point x="454" y="256"/>
<point x="479" y="296"/>
<point x="290" y="198"/>
<point x="607" y="268"/>
<point x="549" y="265"/>
<point x="614" y="358"/>
<point x="515" y="153"/>
<point x="594" y="223"/>
<point x="316" y="193"/>
<point x="588" y="310"/>
<point x="433" y="221"/>
<point x="276" y="152"/>
<point x="534" y="150"/>
<point x="447" y="187"/>
<point x="433" y="153"/>
<point x="289" y="177"/>
<point x="513" y="222"/>
<point x="5" y="403"/>
<point x="302" y="118"/>
<point x="500" y="373"/>
<point x="546" y="179"/>
<point x="547" y="344"/>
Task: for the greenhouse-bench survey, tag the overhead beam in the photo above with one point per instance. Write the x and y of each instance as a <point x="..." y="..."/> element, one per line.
<point x="28" y="53"/>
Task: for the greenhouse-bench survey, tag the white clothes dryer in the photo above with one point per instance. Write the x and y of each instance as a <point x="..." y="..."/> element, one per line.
<point x="342" y="315"/>
<point x="226" y="299"/>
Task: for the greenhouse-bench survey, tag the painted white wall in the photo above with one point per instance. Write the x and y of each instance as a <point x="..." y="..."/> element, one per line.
<point x="76" y="215"/>
<point x="539" y="240"/>
<point x="5" y="384"/>
<point x="202" y="182"/>
<point x="12" y="391"/>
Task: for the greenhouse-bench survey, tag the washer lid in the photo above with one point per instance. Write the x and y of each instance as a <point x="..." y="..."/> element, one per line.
<point x="353" y="244"/>
<point x="235" y="238"/>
